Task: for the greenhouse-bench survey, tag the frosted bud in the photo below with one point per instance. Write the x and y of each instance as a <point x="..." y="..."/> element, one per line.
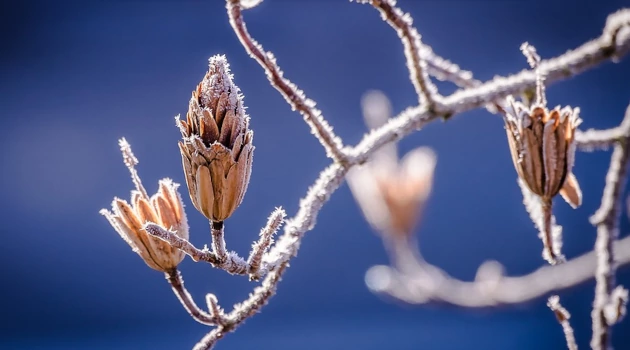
<point x="165" y="208"/>
<point x="216" y="144"/>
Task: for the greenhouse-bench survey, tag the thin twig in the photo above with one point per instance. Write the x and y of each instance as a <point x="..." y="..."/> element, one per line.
<point x="218" y="241"/>
<point x="563" y="316"/>
<point x="414" y="50"/>
<point x="233" y="264"/>
<point x="291" y="93"/>
<point x="176" y="281"/>
<point x="607" y="221"/>
<point x="245" y="310"/>
<point x="216" y="311"/>
<point x="266" y="240"/>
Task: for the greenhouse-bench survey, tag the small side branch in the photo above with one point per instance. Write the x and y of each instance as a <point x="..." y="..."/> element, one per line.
<point x="607" y="221"/>
<point x="266" y="240"/>
<point x="415" y="51"/>
<point x="243" y="311"/>
<point x="291" y="93"/>
<point x="563" y="316"/>
<point x="602" y="139"/>
<point x="232" y="264"/>
<point x="176" y="281"/>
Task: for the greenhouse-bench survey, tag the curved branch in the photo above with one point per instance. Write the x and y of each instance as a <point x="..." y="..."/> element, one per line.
<point x="294" y="96"/>
<point x="425" y="283"/>
<point x="414" y="50"/>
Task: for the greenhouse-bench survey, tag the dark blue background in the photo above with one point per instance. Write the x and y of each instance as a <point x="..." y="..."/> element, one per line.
<point x="76" y="76"/>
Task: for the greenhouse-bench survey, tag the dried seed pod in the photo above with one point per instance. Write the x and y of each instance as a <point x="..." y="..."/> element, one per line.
<point x="542" y="143"/>
<point x="164" y="208"/>
<point x="216" y="148"/>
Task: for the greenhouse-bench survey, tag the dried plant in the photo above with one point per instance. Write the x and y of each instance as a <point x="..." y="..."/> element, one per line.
<point x="217" y="150"/>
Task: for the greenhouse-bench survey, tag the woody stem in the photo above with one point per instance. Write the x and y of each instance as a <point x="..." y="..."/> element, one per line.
<point x="174" y="278"/>
<point x="218" y="242"/>
<point x="546" y="234"/>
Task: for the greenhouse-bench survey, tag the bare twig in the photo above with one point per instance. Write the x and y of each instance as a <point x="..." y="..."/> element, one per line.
<point x="243" y="311"/>
<point x="607" y="221"/>
<point x="593" y="139"/>
<point x="218" y="241"/>
<point x="424" y="283"/>
<point x="232" y="263"/>
<point x="176" y="281"/>
<point x="216" y="311"/>
<point x="291" y="93"/>
<point x="415" y="51"/>
<point x="266" y="239"/>
<point x="131" y="161"/>
<point x="563" y="316"/>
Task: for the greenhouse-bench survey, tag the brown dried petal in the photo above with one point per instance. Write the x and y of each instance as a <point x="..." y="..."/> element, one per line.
<point x="220" y="109"/>
<point x="165" y="212"/>
<point x="131" y="221"/>
<point x="571" y="191"/>
<point x="551" y="160"/>
<point x="532" y="162"/>
<point x="205" y="194"/>
<point x="210" y="131"/>
<point x="219" y="169"/>
<point x="227" y="128"/>
<point x="145" y="212"/>
<point x="168" y="190"/>
<point x="237" y="147"/>
<point x="138" y="247"/>
<point x="515" y="149"/>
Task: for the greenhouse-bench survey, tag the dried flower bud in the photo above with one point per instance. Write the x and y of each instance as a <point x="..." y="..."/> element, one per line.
<point x="217" y="148"/>
<point x="164" y="208"/>
<point x="542" y="143"/>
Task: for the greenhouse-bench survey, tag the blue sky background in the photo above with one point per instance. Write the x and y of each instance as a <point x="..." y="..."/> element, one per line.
<point x="77" y="76"/>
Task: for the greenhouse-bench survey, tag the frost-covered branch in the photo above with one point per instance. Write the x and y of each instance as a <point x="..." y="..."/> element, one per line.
<point x="266" y="240"/>
<point x="563" y="316"/>
<point x="218" y="257"/>
<point x="593" y="139"/>
<point x="176" y="281"/>
<point x="291" y="93"/>
<point x="243" y="311"/>
<point x="607" y="221"/>
<point x="415" y="51"/>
